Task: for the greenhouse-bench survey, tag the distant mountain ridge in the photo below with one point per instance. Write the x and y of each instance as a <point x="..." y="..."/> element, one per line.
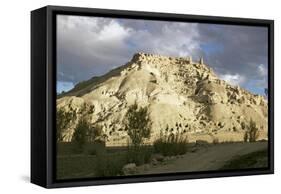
<point x="181" y="95"/>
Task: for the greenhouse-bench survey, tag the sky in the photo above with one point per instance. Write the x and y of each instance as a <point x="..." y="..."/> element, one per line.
<point x="92" y="46"/>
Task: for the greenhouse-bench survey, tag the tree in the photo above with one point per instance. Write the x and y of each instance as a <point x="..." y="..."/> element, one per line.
<point x="64" y="119"/>
<point x="95" y="133"/>
<point x="82" y="132"/>
<point x="246" y="136"/>
<point x="252" y="132"/>
<point x="137" y="124"/>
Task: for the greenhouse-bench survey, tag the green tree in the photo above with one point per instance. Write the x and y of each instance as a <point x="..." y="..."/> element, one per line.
<point x="137" y="124"/>
<point x="246" y="136"/>
<point x="95" y="133"/>
<point x="252" y="132"/>
<point x="82" y="132"/>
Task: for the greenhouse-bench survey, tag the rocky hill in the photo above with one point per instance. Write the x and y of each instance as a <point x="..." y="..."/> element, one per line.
<point x="181" y="95"/>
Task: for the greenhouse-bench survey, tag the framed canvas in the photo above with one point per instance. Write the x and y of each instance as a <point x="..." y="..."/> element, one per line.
<point x="126" y="96"/>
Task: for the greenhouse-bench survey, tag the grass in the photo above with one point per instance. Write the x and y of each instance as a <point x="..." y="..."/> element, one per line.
<point x="253" y="160"/>
<point x="139" y="155"/>
<point x="83" y="166"/>
<point x="109" y="165"/>
<point x="168" y="145"/>
<point x="98" y="161"/>
<point x="111" y="161"/>
<point x="90" y="162"/>
<point x="112" y="164"/>
<point x="67" y="148"/>
<point x="77" y="166"/>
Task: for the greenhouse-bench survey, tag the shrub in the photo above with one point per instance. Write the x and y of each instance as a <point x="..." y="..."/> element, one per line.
<point x="169" y="145"/>
<point x="246" y="136"/>
<point x="252" y="132"/>
<point x="138" y="155"/>
<point x="109" y="164"/>
<point x="137" y="124"/>
<point x="94" y="148"/>
<point x="81" y="133"/>
<point x="216" y="140"/>
<point x="112" y="164"/>
<point x="94" y="133"/>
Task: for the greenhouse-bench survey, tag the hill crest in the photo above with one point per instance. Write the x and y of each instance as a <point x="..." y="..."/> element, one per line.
<point x="176" y="91"/>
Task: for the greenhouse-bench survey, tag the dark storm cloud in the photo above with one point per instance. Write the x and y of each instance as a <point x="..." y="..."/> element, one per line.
<point x="243" y="50"/>
<point x="90" y="46"/>
<point x="242" y="56"/>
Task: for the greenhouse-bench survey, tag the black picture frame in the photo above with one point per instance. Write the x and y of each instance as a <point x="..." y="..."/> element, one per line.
<point x="43" y="95"/>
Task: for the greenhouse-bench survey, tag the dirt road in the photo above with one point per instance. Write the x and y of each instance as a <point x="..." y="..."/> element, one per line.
<point x="207" y="158"/>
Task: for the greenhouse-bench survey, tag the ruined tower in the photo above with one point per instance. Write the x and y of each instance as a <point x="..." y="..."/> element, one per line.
<point x="190" y="59"/>
<point x="201" y="61"/>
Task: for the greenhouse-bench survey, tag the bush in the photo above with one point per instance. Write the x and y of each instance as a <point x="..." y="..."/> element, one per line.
<point x="94" y="148"/>
<point x="252" y="132"/>
<point x="138" y="127"/>
<point x="138" y="155"/>
<point x="216" y="140"/>
<point x="112" y="164"/>
<point x="81" y="133"/>
<point x="95" y="134"/>
<point x="137" y="124"/>
<point x="170" y="145"/>
<point x="109" y="165"/>
<point x="246" y="136"/>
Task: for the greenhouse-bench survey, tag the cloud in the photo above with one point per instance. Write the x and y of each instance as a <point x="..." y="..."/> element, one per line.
<point x="63" y="86"/>
<point x="91" y="46"/>
<point x="234" y="79"/>
<point x="262" y="76"/>
<point x="113" y="32"/>
<point x="237" y="50"/>
<point x="87" y="46"/>
<point x="168" y="38"/>
<point x="262" y="70"/>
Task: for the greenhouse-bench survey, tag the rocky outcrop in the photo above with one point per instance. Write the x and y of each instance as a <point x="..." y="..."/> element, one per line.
<point x="181" y="95"/>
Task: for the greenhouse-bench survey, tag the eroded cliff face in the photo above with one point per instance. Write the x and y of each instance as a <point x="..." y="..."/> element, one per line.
<point x="181" y="95"/>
